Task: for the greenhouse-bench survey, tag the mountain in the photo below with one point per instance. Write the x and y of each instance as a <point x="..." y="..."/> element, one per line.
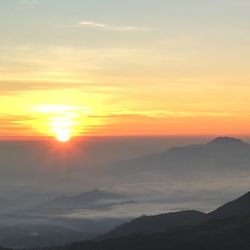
<point x="50" y="223"/>
<point x="169" y="221"/>
<point x="219" y="154"/>
<point x="227" y="140"/>
<point x="29" y="236"/>
<point x="226" y="228"/>
<point x="87" y="200"/>
<point x="240" y="206"/>
<point x="157" y="223"/>
<point x="231" y="234"/>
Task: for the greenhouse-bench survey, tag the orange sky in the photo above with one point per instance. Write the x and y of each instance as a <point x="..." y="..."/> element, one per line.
<point x="79" y="71"/>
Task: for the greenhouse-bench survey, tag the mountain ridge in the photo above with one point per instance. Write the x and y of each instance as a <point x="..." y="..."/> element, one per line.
<point x="239" y="206"/>
<point x="88" y="196"/>
<point x="169" y="221"/>
<point x="157" y="223"/>
<point x="224" y="233"/>
<point x="218" y="154"/>
<point x="226" y="139"/>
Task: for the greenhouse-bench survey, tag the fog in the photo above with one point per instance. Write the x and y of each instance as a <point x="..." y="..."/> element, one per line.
<point x="43" y="165"/>
<point x="94" y="184"/>
<point x="36" y="170"/>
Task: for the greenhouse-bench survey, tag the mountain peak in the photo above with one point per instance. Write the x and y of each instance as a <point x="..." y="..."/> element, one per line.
<point x="226" y="139"/>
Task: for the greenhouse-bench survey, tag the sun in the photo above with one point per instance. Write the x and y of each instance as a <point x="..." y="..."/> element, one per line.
<point x="60" y="121"/>
<point x="63" y="135"/>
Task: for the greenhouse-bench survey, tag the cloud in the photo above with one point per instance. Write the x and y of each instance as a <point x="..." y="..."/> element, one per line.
<point x="11" y="124"/>
<point x="162" y="114"/>
<point x="97" y="25"/>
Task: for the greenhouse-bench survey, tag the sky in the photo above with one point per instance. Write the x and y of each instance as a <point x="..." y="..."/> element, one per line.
<point x="115" y="67"/>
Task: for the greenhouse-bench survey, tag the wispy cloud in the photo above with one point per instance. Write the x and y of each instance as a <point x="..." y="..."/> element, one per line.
<point x="98" y="25"/>
<point x="160" y="114"/>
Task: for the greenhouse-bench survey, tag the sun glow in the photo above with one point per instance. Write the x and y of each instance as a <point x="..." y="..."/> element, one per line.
<point x="63" y="135"/>
<point x="60" y="121"/>
<point x="63" y="127"/>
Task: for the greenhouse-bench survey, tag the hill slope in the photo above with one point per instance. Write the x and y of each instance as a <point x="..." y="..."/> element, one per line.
<point x="157" y="223"/>
<point x="224" y="229"/>
<point x="238" y="207"/>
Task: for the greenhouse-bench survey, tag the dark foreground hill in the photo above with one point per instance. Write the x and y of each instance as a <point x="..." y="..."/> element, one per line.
<point x="170" y="221"/>
<point x="227" y="228"/>
<point x="228" y="234"/>
<point x="240" y="206"/>
<point x="157" y="223"/>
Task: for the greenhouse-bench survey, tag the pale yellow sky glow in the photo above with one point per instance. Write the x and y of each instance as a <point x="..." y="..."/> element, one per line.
<point x="80" y="72"/>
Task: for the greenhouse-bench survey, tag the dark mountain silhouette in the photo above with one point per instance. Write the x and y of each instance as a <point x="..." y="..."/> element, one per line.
<point x="240" y="206"/>
<point x="170" y="221"/>
<point x="228" y="234"/>
<point x="226" y="228"/>
<point x="157" y="223"/>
